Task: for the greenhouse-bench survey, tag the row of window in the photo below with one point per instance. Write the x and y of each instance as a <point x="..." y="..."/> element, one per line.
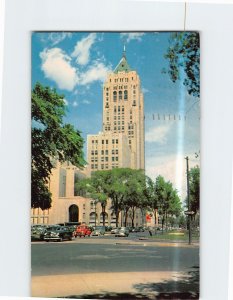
<point x="105" y="142"/>
<point x="121" y="79"/>
<point x="95" y="166"/>
<point x="120" y="95"/>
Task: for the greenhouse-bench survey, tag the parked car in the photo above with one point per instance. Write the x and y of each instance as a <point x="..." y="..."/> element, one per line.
<point x="98" y="230"/>
<point x="37" y="232"/>
<point x="123" y="231"/>
<point x="114" y="230"/>
<point x="58" y="233"/>
<point x="83" y="230"/>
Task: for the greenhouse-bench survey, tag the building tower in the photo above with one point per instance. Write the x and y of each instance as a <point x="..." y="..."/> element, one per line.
<point x="121" y="142"/>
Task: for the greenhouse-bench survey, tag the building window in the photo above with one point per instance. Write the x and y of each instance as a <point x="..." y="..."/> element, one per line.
<point x="106" y="158"/>
<point x="107" y="141"/>
<point x="84" y="206"/>
<point x="114" y="96"/>
<point x="125" y="95"/>
<point x="96" y="152"/>
<point x="92" y="141"/>
<point x="113" y="141"/>
<point x="113" y="158"/>
<point x="116" y="151"/>
<point x="106" y="166"/>
<point x="102" y="152"/>
<point x="116" y="158"/>
<point x="92" y="152"/>
<point x="116" y="141"/>
<point x="102" y="166"/>
<point x="96" y="166"/>
<point x="120" y="95"/>
<point x="92" y="166"/>
<point x="113" y="151"/>
<point x="106" y="152"/>
<point x="102" y="142"/>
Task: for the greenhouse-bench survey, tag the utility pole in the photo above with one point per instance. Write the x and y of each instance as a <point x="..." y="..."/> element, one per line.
<point x="188" y="200"/>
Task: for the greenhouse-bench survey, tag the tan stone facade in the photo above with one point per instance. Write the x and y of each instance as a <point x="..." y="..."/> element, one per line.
<point x="123" y="122"/>
<point x="119" y="145"/>
<point x="108" y="150"/>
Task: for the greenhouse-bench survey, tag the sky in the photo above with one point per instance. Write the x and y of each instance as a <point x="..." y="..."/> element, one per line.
<point x="77" y="64"/>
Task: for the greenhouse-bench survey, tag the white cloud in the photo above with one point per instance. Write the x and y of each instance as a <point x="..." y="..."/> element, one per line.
<point x="129" y="36"/>
<point x="82" y="49"/>
<point x="65" y="102"/>
<point x="57" y="37"/>
<point x="57" y="67"/>
<point x="157" y="134"/>
<point x="86" y="101"/>
<point x="97" y="71"/>
<point x="144" y="90"/>
<point x="75" y="103"/>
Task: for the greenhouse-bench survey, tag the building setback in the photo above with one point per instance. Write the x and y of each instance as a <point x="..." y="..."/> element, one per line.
<point x="120" y="145"/>
<point x="123" y="123"/>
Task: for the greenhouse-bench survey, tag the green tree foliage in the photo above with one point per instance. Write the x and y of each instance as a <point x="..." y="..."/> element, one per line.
<point x="194" y="188"/>
<point x="51" y="141"/>
<point x="125" y="187"/>
<point x="169" y="203"/>
<point x="183" y="55"/>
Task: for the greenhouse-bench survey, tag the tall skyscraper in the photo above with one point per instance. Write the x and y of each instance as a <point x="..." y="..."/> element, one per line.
<point x="121" y="142"/>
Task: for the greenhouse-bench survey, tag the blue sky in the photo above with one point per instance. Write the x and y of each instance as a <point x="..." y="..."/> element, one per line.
<point x="76" y="64"/>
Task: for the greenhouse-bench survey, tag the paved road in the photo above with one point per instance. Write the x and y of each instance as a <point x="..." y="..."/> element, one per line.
<point x="110" y="254"/>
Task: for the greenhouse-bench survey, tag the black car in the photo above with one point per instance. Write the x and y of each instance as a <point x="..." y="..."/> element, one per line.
<point x="58" y="233"/>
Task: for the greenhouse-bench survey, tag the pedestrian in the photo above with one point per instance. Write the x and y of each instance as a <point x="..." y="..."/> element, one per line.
<point x="150" y="231"/>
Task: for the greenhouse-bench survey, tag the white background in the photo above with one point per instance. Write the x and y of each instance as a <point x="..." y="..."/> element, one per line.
<point x="215" y="23"/>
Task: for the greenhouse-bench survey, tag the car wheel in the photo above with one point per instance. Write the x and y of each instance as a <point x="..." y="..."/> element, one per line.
<point x="61" y="239"/>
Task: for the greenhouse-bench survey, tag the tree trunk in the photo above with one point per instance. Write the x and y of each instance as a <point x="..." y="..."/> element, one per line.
<point x="133" y="214"/>
<point x="103" y="213"/>
<point x="126" y="216"/>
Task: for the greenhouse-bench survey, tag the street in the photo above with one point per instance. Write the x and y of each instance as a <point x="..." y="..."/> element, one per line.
<point x="138" y="261"/>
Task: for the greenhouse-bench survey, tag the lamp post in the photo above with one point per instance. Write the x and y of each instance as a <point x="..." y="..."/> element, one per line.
<point x="95" y="211"/>
<point x="188" y="213"/>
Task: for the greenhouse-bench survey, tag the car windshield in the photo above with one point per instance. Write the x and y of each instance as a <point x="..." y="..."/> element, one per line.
<point x="52" y="228"/>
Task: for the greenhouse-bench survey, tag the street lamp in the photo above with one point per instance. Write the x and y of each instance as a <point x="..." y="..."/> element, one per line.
<point x="95" y="202"/>
<point x="189" y="213"/>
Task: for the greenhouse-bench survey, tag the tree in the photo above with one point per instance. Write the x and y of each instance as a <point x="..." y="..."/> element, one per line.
<point x="125" y="187"/>
<point x="152" y="197"/>
<point x="168" y="200"/>
<point x="183" y="56"/>
<point x="194" y="188"/>
<point x="135" y="194"/>
<point x="51" y="141"/>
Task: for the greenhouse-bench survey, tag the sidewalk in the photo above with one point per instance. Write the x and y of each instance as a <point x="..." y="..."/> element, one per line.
<point x="97" y="283"/>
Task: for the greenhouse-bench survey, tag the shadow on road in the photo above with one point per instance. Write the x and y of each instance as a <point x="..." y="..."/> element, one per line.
<point x="186" y="287"/>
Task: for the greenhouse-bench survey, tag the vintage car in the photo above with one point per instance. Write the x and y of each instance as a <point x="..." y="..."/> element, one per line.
<point x="98" y="230"/>
<point x="58" y="233"/>
<point x="123" y="231"/>
<point x="82" y="230"/>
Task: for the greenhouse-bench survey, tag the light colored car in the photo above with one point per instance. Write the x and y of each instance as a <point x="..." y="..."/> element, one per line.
<point x="98" y="230"/>
<point x="123" y="231"/>
<point x="114" y="230"/>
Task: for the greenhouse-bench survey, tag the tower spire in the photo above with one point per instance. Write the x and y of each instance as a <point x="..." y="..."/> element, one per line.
<point x="124" y="52"/>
